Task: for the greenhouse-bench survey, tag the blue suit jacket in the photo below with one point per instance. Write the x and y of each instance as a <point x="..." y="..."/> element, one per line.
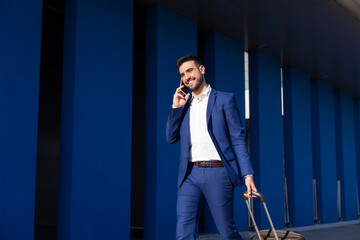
<point x="225" y="129"/>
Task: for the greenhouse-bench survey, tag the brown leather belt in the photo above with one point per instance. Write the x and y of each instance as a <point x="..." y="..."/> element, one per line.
<point x="205" y="164"/>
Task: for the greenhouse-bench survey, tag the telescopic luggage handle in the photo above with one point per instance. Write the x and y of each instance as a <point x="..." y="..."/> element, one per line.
<point x="266" y="210"/>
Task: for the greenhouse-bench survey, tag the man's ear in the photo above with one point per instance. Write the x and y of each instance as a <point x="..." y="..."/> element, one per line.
<point x="202" y="69"/>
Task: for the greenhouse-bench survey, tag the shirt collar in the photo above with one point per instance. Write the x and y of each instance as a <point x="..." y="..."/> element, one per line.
<point x="206" y="93"/>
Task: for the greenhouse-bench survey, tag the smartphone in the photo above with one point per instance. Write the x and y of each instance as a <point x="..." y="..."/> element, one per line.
<point x="184" y="88"/>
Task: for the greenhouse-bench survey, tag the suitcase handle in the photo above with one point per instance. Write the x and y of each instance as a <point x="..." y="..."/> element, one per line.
<point x="256" y="194"/>
<point x="266" y="210"/>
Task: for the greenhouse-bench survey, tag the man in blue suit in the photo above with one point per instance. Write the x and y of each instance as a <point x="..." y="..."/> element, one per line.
<point x="214" y="156"/>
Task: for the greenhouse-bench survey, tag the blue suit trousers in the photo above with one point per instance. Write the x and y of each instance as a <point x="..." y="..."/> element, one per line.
<point x="213" y="185"/>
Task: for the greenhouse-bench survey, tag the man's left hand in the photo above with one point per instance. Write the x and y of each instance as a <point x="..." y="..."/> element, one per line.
<point x="250" y="185"/>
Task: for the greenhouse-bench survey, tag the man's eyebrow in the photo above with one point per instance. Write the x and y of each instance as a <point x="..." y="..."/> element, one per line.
<point x="187" y="70"/>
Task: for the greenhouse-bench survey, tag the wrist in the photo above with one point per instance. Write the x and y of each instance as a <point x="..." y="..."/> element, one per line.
<point x="249" y="176"/>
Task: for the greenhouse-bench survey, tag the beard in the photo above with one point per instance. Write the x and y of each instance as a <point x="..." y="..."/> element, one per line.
<point x="197" y="84"/>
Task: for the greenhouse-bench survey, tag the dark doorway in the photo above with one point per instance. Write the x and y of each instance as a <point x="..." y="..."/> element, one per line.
<point x="48" y="149"/>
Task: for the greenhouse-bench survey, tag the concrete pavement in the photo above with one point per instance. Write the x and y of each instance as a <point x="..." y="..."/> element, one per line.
<point x="346" y="230"/>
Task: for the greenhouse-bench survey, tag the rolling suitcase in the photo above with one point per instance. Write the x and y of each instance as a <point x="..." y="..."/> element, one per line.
<point x="270" y="234"/>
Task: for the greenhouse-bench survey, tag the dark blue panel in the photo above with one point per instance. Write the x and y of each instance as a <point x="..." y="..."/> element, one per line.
<point x="324" y="154"/>
<point x="95" y="166"/>
<point x="266" y="135"/>
<point x="67" y="125"/>
<point x="20" y="44"/>
<point x="346" y="158"/>
<point x="169" y="37"/>
<point x="357" y="141"/>
<point x="338" y="136"/>
<point x="298" y="146"/>
<point x="224" y="62"/>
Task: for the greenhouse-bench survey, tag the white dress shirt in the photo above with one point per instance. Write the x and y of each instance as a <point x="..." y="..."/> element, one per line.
<point x="202" y="147"/>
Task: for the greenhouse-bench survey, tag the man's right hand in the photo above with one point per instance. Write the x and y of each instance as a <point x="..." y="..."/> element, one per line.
<point x="179" y="100"/>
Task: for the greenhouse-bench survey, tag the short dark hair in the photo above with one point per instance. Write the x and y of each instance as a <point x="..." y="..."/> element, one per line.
<point x="187" y="58"/>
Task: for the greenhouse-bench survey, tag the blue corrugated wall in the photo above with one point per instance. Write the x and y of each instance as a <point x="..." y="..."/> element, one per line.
<point x="95" y="164"/>
<point x="319" y="134"/>
<point x="20" y="47"/>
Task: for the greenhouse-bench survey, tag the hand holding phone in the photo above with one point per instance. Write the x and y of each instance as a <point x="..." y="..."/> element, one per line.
<point x="181" y="96"/>
<point x="184" y="89"/>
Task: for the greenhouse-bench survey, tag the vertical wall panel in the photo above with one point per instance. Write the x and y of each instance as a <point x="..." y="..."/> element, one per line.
<point x="169" y="36"/>
<point x="266" y="135"/>
<point x="357" y="142"/>
<point x="224" y="62"/>
<point x="20" y="47"/>
<point x="345" y="152"/>
<point x="324" y="153"/>
<point x="298" y="146"/>
<point x="95" y="165"/>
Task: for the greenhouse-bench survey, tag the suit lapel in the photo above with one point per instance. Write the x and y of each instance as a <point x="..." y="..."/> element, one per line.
<point x="210" y="106"/>
<point x="187" y="116"/>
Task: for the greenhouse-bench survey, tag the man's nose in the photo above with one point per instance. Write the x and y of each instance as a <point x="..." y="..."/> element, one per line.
<point x="187" y="77"/>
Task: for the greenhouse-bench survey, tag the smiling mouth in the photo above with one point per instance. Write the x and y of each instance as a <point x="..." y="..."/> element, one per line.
<point x="191" y="82"/>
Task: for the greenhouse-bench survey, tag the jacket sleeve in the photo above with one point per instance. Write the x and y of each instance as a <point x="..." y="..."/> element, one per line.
<point x="237" y="136"/>
<point x="173" y="125"/>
